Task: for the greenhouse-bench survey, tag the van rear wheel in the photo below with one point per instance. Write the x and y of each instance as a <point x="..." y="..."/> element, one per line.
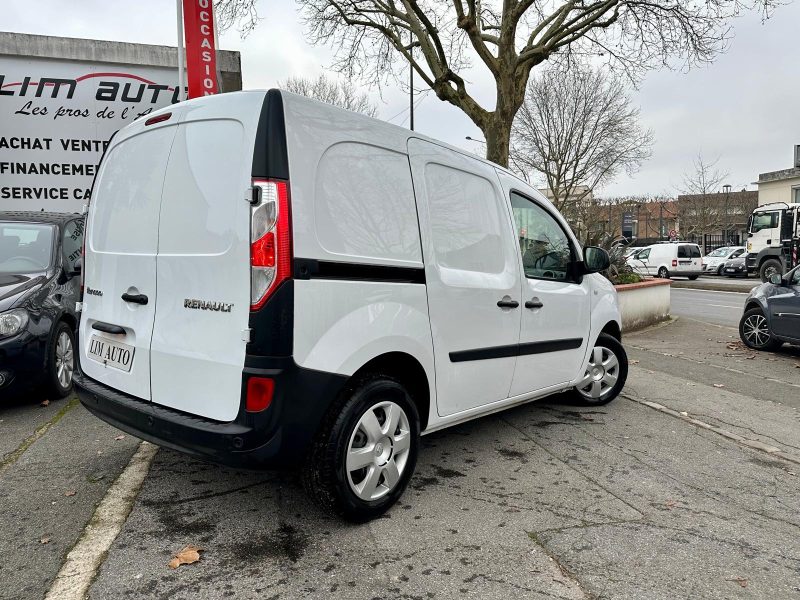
<point x="366" y="450"/>
<point x="605" y="374"/>
<point x="663" y="273"/>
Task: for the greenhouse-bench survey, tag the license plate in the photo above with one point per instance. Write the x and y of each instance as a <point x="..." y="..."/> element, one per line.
<point x="111" y="353"/>
<point x="730" y="270"/>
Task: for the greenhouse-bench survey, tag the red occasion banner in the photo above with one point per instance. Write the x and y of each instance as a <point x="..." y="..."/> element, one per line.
<point x="201" y="52"/>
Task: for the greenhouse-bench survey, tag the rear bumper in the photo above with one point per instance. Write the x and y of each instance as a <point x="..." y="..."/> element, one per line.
<point x="277" y="438"/>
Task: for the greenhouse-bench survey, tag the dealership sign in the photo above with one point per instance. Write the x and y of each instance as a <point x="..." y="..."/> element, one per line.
<point x="201" y="52"/>
<point x="56" y="118"/>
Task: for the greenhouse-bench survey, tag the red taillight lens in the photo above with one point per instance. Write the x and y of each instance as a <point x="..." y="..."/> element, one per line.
<point x="158" y="119"/>
<point x="674" y="263"/>
<point x="259" y="393"/>
<point x="262" y="252"/>
<point x="270" y="241"/>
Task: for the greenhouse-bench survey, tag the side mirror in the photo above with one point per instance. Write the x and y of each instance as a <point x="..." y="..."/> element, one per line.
<point x="595" y="259"/>
<point x="776" y="279"/>
<point x="76" y="268"/>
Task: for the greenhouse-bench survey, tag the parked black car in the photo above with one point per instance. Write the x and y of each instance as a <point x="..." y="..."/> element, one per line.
<point x="772" y="313"/>
<point x="735" y="267"/>
<point x="40" y="262"/>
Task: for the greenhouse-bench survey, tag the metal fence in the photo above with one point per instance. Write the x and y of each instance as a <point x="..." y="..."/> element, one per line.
<point x="710" y="242"/>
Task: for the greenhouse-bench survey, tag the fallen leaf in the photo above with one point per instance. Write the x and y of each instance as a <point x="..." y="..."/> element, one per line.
<point x="740" y="580"/>
<point x="44" y="540"/>
<point x="719" y="385"/>
<point x="633" y="362"/>
<point x="45" y="403"/>
<point x="671" y="504"/>
<point x="188" y="555"/>
<point x="684" y="414"/>
<point x="70" y="493"/>
<point x="119" y="437"/>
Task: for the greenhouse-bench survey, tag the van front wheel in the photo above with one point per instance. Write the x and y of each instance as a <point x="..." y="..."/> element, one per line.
<point x="365" y="452"/>
<point x="605" y="374"/>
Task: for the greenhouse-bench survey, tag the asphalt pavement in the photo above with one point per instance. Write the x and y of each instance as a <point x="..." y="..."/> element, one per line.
<point x="686" y="486"/>
<point x="719" y="308"/>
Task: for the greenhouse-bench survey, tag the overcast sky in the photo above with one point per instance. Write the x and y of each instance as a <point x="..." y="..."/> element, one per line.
<point x="744" y="109"/>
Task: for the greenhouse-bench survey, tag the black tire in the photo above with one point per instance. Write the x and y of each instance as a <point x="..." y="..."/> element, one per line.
<point x="752" y="319"/>
<point x="693" y="277"/>
<point x="768" y="267"/>
<point x="60" y="361"/>
<point x="325" y="475"/>
<point x="719" y="269"/>
<point x="663" y="273"/>
<point x="609" y="343"/>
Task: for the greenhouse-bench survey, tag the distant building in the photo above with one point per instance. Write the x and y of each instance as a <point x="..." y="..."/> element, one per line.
<point x="720" y="214"/>
<point x="780" y="186"/>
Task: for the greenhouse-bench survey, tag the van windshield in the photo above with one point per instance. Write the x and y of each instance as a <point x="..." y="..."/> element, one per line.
<point x="25" y="247"/>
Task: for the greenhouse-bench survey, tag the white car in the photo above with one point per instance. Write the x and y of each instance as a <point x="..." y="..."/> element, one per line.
<point x="668" y="259"/>
<point x="275" y="282"/>
<point x="714" y="261"/>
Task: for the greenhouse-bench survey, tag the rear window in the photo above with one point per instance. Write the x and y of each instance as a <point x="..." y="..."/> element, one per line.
<point x="683" y="252"/>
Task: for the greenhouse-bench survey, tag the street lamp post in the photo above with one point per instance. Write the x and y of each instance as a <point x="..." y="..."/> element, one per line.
<point x="727" y="189"/>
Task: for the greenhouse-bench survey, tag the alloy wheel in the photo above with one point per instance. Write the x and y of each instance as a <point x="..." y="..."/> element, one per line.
<point x="378" y="451"/>
<point x="756" y="330"/>
<point x="65" y="364"/>
<point x="601" y="374"/>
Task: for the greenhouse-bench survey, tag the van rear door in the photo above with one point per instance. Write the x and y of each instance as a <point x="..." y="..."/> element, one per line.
<point x="203" y="266"/>
<point x="120" y="263"/>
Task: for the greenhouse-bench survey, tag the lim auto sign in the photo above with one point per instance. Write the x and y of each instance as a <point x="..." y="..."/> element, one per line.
<point x="56" y="118"/>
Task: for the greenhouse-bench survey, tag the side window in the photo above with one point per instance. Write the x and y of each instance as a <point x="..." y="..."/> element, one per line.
<point x="644" y="254"/>
<point x="72" y="243"/>
<point x="683" y="252"/>
<point x="466" y="224"/>
<point x="694" y="252"/>
<point x="796" y="277"/>
<point x="737" y="253"/>
<point x="545" y="248"/>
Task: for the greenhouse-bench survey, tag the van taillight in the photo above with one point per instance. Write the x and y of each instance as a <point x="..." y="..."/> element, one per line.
<point x="259" y="393"/>
<point x="674" y="262"/>
<point x="270" y="240"/>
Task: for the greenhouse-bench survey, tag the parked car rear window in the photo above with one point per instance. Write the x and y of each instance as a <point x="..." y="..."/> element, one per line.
<point x="25" y="247"/>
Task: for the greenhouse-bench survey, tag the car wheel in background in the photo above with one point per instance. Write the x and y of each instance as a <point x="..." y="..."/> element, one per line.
<point x="769" y="268"/>
<point x="693" y="277"/>
<point x="719" y="269"/>
<point x="605" y="374"/>
<point x="663" y="273"/>
<point x="754" y="331"/>
<point x="365" y="452"/>
<point x="61" y="361"/>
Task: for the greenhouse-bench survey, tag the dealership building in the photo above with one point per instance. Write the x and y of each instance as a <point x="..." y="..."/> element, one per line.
<point x="61" y="100"/>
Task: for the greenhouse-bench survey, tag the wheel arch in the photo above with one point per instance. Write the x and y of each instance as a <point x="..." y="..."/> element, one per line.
<point x="613" y="329"/>
<point x="408" y="371"/>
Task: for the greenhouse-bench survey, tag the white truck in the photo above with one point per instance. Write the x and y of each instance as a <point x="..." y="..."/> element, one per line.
<point x="772" y="239"/>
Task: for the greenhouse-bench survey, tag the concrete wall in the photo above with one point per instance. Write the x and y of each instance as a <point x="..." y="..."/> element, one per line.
<point x="645" y="303"/>
<point x="777" y="191"/>
<point x="78" y="49"/>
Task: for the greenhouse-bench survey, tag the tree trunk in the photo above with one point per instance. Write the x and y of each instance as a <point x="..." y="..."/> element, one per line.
<point x="498" y="139"/>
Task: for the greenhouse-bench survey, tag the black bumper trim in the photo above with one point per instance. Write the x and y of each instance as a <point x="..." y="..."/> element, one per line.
<point x="275" y="439"/>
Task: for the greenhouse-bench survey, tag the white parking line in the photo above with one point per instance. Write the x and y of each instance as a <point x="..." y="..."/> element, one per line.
<point x="85" y="558"/>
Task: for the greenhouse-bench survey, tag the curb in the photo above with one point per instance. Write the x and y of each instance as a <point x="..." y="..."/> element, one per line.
<point x="754" y="444"/>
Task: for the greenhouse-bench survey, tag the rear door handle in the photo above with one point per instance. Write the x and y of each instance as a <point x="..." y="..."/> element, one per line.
<point x="107" y="327"/>
<point x="507" y="303"/>
<point x="534" y="303"/>
<point x="135" y="298"/>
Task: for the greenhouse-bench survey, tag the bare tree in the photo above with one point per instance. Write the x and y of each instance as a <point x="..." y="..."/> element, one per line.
<point x="701" y="203"/>
<point x="236" y="12"/>
<point x="578" y="129"/>
<point x="443" y="39"/>
<point x="339" y="93"/>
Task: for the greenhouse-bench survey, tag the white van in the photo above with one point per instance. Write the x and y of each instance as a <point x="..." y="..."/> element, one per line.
<point x="274" y="282"/>
<point x="668" y="259"/>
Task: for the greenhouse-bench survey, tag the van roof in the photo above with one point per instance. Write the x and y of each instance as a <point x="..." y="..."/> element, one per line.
<point x="390" y="128"/>
<point x="38" y="216"/>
